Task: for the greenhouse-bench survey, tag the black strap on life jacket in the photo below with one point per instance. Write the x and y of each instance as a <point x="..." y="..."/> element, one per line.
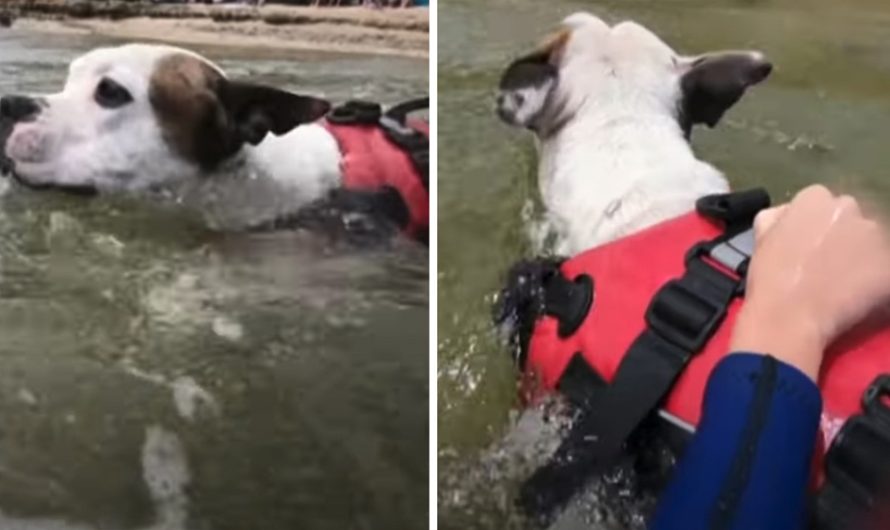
<point x="857" y="465"/>
<point x="394" y="123"/>
<point x="681" y="318"/>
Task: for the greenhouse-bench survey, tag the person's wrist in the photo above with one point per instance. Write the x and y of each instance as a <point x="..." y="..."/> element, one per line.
<point x="787" y="332"/>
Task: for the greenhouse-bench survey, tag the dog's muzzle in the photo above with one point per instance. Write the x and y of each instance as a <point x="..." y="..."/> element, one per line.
<point x="18" y="109"/>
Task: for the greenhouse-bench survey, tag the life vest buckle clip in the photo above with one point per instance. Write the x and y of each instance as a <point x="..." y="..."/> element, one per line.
<point x="682" y="317"/>
<point x="856" y="467"/>
<point x="873" y="400"/>
<point x="569" y="301"/>
<point x="739" y="207"/>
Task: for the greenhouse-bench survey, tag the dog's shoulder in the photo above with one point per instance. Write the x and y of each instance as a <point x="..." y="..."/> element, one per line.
<point x="307" y="157"/>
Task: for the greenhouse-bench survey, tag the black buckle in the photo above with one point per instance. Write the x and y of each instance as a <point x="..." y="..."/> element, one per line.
<point x="873" y="399"/>
<point x="738" y="207"/>
<point x="401" y="111"/>
<point x="704" y="248"/>
<point x="569" y="301"/>
<point x="857" y="465"/>
<point x="685" y="319"/>
<point x="736" y="211"/>
<point x="405" y="137"/>
<point x="413" y="142"/>
<point x="356" y="112"/>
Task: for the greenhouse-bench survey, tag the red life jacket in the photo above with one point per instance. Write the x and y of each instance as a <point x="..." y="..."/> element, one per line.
<point x="372" y="160"/>
<point x="627" y="274"/>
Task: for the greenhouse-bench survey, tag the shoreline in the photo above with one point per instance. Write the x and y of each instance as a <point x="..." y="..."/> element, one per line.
<point x="352" y="30"/>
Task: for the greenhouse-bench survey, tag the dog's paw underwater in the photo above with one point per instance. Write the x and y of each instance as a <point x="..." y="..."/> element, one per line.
<point x="522" y="300"/>
<point x="358" y="218"/>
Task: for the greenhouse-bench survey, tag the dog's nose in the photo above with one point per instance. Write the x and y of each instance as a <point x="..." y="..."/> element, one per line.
<point x="18" y="108"/>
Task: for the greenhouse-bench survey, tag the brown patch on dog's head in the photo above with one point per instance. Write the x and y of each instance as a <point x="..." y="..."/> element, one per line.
<point x="183" y="92"/>
<point x="542" y="63"/>
<point x="206" y="118"/>
<point x="548" y="51"/>
<point x="553" y="45"/>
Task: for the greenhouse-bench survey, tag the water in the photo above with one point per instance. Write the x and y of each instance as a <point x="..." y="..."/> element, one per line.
<point x="156" y="375"/>
<point x="824" y="116"/>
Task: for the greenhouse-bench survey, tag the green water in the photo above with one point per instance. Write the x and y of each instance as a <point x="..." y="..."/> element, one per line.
<point x="263" y="382"/>
<point x="823" y="116"/>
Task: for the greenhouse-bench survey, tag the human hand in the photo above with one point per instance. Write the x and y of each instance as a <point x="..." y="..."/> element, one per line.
<point x="819" y="267"/>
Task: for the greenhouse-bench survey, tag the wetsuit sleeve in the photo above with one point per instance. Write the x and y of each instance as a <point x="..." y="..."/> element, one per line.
<point x="748" y="464"/>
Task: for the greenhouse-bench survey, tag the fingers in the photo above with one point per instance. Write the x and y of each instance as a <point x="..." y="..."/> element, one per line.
<point x="847" y="205"/>
<point x="814" y="204"/>
<point x="766" y="219"/>
<point x="817" y="193"/>
<point x="815" y="197"/>
<point x="822" y="257"/>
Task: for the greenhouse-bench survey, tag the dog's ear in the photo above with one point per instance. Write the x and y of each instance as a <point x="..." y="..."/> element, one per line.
<point x="526" y="84"/>
<point x="207" y="118"/>
<point x="713" y="83"/>
<point x="256" y="110"/>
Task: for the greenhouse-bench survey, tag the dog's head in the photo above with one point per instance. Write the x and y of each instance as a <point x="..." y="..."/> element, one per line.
<point x="140" y="116"/>
<point x="591" y="67"/>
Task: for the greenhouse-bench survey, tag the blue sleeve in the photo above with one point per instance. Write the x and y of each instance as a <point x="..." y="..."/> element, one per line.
<point x="748" y="464"/>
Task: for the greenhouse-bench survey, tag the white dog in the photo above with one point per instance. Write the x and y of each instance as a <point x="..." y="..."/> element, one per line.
<point x="146" y="118"/>
<point x="613" y="108"/>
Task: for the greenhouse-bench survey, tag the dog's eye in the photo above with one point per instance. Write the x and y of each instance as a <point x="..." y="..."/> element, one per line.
<point x="111" y="95"/>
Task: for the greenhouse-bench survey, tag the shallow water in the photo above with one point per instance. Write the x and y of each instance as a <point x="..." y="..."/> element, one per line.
<point x="823" y="116"/>
<point x="156" y="375"/>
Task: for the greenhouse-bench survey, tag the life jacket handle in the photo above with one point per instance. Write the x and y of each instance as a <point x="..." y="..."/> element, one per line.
<point x="736" y="208"/>
<point x="360" y="112"/>
<point x="401" y="111"/>
<point x="736" y="211"/>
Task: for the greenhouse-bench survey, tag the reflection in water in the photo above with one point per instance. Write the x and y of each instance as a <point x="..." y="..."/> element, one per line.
<point x="155" y="375"/>
<point x="823" y="116"/>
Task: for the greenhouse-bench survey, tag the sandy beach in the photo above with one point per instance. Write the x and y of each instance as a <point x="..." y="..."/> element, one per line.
<point x="403" y="32"/>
